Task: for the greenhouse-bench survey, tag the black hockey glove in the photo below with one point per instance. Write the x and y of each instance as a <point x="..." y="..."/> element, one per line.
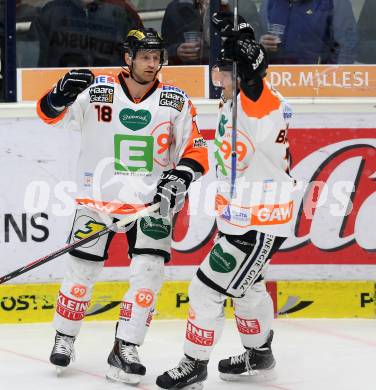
<point x="72" y="84"/>
<point x="249" y="54"/>
<point x="172" y="189"/>
<point x="224" y="24"/>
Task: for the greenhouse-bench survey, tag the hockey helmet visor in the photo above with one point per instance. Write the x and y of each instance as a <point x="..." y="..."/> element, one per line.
<point x="221" y="70"/>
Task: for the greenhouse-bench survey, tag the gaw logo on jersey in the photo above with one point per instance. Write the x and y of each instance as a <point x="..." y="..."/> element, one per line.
<point x="134" y="120"/>
<point x="133" y="153"/>
<point x="220" y="261"/>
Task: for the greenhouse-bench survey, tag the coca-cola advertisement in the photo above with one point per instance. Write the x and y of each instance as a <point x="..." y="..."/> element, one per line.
<point x="335" y="225"/>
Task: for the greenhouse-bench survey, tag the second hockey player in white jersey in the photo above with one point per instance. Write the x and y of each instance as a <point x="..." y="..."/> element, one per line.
<point x="252" y="224"/>
<point x="139" y="144"/>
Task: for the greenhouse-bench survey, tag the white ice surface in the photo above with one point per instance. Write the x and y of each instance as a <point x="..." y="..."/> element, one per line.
<point x="310" y="354"/>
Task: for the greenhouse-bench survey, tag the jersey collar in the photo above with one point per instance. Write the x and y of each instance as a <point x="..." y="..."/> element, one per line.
<point x="123" y="75"/>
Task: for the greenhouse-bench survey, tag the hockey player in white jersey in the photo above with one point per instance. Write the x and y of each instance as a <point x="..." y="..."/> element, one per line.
<point x="139" y="144"/>
<point x="252" y="224"/>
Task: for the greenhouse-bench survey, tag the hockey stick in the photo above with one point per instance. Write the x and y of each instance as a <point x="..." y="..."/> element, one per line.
<point x="114" y="226"/>
<point x="234" y="109"/>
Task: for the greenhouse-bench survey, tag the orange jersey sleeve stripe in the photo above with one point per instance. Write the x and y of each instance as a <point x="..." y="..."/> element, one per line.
<point x="266" y="103"/>
<point x="45" y="118"/>
<point x="197" y="150"/>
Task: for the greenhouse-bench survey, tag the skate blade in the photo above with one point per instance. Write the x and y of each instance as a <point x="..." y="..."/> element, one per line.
<point x="115" y="374"/>
<point x="193" y="386"/>
<point x="255" y="376"/>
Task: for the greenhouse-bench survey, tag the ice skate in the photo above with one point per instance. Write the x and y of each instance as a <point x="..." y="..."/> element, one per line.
<point x="188" y="375"/>
<point x="62" y="352"/>
<point x="125" y="364"/>
<point x="255" y="364"/>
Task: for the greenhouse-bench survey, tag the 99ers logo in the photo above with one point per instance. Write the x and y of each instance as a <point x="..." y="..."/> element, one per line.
<point x="191" y="314"/>
<point x="243" y="146"/>
<point x="78" y="290"/>
<point x="144" y="297"/>
<point x="162" y="135"/>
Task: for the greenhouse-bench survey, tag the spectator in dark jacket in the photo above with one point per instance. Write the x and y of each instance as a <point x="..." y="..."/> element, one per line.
<point x="309" y="31"/>
<point x="76" y="33"/>
<point x="367" y="33"/>
<point x="248" y="10"/>
<point x="183" y="16"/>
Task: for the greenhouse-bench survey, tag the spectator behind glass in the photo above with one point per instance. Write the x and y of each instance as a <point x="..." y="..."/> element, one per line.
<point x="27" y="48"/>
<point x="367" y="33"/>
<point x="76" y="33"/>
<point x="309" y="31"/>
<point x="185" y="29"/>
<point x="25" y="12"/>
<point x="248" y="10"/>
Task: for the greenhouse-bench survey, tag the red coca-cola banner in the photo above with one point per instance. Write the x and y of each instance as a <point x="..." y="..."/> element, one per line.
<point x="337" y="212"/>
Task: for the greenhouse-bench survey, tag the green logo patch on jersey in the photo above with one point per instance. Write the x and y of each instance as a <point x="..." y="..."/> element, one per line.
<point x="220" y="261"/>
<point x="218" y="157"/>
<point x="155" y="228"/>
<point x="133" y="153"/>
<point x="221" y="125"/>
<point x="134" y="120"/>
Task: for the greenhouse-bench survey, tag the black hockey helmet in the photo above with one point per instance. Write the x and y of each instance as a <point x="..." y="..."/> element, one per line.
<point x="144" y="39"/>
<point x="222" y="62"/>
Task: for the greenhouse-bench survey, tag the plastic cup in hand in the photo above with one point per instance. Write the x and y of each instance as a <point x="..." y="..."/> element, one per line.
<point x="276" y="29"/>
<point x="192" y="36"/>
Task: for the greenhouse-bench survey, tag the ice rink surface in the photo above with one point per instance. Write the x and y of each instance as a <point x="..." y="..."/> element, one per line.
<point x="310" y="354"/>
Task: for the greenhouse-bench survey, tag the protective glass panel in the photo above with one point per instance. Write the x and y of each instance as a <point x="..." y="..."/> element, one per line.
<point x="88" y="32"/>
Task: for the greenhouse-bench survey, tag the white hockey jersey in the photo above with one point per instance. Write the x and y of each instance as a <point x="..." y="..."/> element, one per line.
<point x="127" y="144"/>
<point x="263" y="198"/>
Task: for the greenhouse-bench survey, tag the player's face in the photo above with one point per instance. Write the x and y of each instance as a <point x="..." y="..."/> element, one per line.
<point x="146" y="64"/>
<point x="226" y="83"/>
<point x="223" y="79"/>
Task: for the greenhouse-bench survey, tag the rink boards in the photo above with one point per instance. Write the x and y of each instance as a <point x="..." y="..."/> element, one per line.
<point x="326" y="146"/>
<point x="26" y="303"/>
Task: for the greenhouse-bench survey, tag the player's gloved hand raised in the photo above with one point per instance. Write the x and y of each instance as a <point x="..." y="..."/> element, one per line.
<point x="249" y="54"/>
<point x="172" y="189"/>
<point x="72" y="84"/>
<point x="224" y="24"/>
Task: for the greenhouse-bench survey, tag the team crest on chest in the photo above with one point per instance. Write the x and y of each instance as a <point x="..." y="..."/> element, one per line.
<point x="134" y="120"/>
